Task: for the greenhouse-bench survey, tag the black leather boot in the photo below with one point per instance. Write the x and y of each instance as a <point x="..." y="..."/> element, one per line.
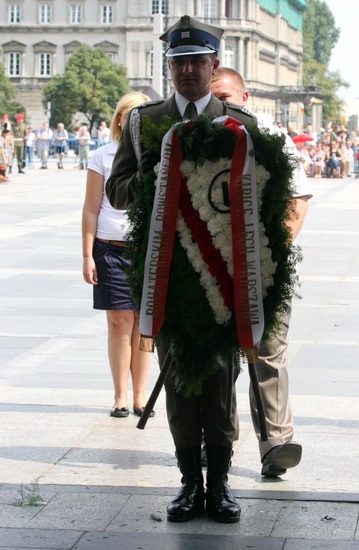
<point x="189" y="501"/>
<point x="220" y="503"/>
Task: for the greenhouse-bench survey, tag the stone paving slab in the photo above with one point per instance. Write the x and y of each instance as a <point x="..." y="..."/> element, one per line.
<point x="59" y="540"/>
<point x="38" y="539"/>
<point x="166" y="541"/>
<point x="99" y="514"/>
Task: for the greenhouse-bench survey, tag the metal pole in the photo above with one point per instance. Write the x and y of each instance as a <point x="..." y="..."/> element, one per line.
<point x="155" y="392"/>
<point x="259" y="401"/>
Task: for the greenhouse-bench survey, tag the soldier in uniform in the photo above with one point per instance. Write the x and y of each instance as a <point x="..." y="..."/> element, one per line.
<point x="192" y="49"/>
<point x="19" y="134"/>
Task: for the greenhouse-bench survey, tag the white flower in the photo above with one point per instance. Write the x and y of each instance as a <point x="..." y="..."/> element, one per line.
<point x="219" y="227"/>
<point x="221" y="312"/>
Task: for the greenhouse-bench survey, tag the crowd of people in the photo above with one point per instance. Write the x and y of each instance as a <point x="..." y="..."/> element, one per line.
<point x="22" y="143"/>
<point x="332" y="153"/>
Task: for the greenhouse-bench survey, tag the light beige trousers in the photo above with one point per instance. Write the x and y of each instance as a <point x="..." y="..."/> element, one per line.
<point x="272" y="375"/>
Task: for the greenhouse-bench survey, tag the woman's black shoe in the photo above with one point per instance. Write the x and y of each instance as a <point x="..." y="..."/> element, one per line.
<point x="138" y="412"/>
<point x="120" y="413"/>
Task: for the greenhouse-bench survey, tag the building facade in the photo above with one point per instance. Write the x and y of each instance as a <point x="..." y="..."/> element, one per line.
<point x="262" y="40"/>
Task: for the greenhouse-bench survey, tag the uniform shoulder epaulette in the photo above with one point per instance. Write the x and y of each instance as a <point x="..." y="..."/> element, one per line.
<point x="239" y="109"/>
<point x="150" y="103"/>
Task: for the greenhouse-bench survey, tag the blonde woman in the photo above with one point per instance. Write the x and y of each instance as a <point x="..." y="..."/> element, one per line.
<point x="104" y="266"/>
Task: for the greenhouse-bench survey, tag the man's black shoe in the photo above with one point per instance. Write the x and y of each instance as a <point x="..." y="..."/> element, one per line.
<point x="281" y="457"/>
<point x="221" y="504"/>
<point x="188" y="503"/>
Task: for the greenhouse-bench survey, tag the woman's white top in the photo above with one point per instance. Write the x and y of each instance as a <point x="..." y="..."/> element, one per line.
<point x="112" y="224"/>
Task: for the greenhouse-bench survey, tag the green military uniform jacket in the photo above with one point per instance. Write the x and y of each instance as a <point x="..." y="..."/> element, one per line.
<point x="121" y="185"/>
<point x="18" y="131"/>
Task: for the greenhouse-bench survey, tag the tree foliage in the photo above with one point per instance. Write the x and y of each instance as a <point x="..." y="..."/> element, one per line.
<point x="319" y="32"/>
<point x="8" y="103"/>
<point x="91" y="85"/>
<point x="319" y="38"/>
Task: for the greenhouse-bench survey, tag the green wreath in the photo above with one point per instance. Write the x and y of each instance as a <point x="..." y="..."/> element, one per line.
<point x="197" y="343"/>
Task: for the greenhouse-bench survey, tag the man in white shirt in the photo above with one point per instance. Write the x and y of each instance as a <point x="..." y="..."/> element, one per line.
<point x="103" y="134"/>
<point x="280" y="451"/>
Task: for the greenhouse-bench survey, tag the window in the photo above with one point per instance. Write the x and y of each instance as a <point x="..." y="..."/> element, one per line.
<point x="228" y="57"/>
<point x="14" y="64"/>
<point x="229" y="9"/>
<point x="45" y="60"/>
<point x="76" y="13"/>
<point x="70" y="48"/>
<point x="107" y="15"/>
<point x="45" y="13"/>
<point x="210" y="9"/>
<point x="150" y="64"/>
<point x="160" y="6"/>
<point x="14" y="14"/>
<point x="109" y="48"/>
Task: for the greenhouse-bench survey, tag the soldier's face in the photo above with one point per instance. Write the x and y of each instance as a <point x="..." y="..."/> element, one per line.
<point x="192" y="74"/>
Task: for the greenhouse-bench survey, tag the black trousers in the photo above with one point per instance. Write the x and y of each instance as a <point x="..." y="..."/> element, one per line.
<point x="188" y="417"/>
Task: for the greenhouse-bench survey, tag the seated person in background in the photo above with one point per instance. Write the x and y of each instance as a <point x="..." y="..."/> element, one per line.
<point x="333" y="163"/>
<point x="318" y="159"/>
<point x="350" y="155"/>
<point x="344" y="161"/>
